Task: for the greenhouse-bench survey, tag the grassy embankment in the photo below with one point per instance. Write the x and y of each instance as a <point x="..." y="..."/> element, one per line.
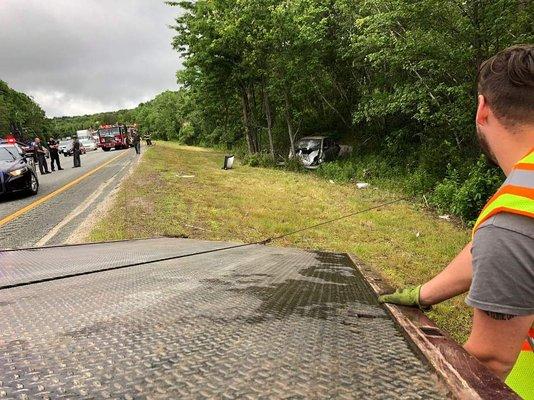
<point x="406" y="244"/>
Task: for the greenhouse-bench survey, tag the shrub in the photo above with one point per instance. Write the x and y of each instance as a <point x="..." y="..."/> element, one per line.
<point x="465" y="198"/>
<point x="259" y="160"/>
<point x="293" y="164"/>
<point x="417" y="182"/>
<point x="187" y="134"/>
<point x="339" y="171"/>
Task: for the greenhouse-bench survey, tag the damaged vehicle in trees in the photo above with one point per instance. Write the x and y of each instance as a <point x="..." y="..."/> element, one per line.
<point x="312" y="151"/>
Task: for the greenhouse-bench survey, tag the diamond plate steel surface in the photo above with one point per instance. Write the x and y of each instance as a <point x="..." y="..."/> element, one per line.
<point x="25" y="266"/>
<point x="251" y="323"/>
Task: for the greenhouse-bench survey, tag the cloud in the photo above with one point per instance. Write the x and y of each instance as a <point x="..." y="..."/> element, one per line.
<point x="70" y="105"/>
<point x="86" y="56"/>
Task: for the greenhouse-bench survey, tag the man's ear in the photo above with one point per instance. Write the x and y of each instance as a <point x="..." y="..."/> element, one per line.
<point x="483" y="111"/>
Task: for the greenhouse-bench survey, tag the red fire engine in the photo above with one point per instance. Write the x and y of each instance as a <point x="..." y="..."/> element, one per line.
<point x="114" y="137"/>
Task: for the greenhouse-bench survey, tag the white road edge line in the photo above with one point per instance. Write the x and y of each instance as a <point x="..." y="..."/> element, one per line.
<point x="80" y="234"/>
<point x="78" y="210"/>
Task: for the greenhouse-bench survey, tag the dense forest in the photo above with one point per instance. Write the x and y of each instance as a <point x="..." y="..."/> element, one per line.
<point x="19" y="114"/>
<point x="394" y="78"/>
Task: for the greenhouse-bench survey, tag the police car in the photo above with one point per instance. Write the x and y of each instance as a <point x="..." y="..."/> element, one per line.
<point x="17" y="169"/>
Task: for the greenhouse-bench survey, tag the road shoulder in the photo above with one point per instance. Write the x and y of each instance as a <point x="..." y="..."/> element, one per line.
<point x="81" y="233"/>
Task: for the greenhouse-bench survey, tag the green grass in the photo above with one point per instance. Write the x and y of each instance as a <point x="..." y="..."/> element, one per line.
<point x="404" y="242"/>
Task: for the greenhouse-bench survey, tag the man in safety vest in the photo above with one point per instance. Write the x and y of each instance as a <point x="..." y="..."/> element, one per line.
<point x="497" y="266"/>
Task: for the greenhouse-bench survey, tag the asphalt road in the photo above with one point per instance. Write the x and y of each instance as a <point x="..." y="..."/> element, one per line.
<point x="65" y="199"/>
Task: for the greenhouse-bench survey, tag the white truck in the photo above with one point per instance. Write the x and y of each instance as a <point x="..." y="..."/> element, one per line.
<point x="84" y="134"/>
<point x="85" y="137"/>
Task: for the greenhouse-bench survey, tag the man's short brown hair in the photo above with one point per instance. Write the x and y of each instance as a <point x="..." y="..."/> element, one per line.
<point x="506" y="81"/>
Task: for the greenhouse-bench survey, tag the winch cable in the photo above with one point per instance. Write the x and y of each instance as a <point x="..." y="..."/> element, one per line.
<point x="237" y="246"/>
<point x="269" y="240"/>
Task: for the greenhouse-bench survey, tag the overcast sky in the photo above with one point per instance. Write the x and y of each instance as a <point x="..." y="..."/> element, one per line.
<point x="85" y="56"/>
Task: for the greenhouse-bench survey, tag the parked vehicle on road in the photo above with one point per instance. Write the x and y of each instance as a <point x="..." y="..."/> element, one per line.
<point x="17" y="170"/>
<point x="89" y="144"/>
<point x="63" y="145"/>
<point x="114" y="137"/>
<point x="312" y="151"/>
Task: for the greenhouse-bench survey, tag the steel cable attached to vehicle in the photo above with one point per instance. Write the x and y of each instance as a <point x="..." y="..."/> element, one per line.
<point x="179" y="256"/>
<point x="330" y="221"/>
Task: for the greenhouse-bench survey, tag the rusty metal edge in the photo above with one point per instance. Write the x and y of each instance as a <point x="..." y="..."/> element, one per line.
<point x="463" y="375"/>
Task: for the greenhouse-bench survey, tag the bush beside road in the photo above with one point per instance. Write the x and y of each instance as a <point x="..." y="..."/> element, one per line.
<point x="182" y="191"/>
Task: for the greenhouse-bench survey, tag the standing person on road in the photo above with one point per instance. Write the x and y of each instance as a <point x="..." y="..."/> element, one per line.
<point x="148" y="138"/>
<point x="137" y="142"/>
<point x="53" y="147"/>
<point x="497" y="267"/>
<point x="40" y="155"/>
<point x="76" y="153"/>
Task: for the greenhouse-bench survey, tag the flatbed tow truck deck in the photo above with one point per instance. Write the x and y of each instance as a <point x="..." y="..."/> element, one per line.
<point x="142" y="319"/>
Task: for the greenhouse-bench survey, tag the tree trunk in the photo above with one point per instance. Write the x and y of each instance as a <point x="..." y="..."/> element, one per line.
<point x="269" y="117"/>
<point x="246" y="122"/>
<point x="252" y="126"/>
<point x="289" y="124"/>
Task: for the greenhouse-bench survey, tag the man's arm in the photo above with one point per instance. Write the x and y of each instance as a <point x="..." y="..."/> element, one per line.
<point x="497" y="342"/>
<point x="455" y="279"/>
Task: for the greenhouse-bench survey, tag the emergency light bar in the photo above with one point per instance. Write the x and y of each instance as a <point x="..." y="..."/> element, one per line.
<point x="8" y="140"/>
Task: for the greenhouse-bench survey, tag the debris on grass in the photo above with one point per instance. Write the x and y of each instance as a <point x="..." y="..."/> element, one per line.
<point x="197" y="228"/>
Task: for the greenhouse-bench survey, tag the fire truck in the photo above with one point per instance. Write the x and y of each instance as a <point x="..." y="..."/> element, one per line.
<point x="114" y="137"/>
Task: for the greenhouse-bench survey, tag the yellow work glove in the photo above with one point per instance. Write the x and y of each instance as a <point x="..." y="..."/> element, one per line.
<point x="408" y="296"/>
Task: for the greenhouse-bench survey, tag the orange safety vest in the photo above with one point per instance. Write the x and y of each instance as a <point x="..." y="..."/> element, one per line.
<point x="516" y="196"/>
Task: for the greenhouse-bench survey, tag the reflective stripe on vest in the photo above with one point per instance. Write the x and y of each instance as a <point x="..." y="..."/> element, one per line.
<point x="527" y="162"/>
<point x="529" y="343"/>
<point x="516" y="196"/>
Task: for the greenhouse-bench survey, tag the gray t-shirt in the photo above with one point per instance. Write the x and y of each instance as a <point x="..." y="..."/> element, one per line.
<point x="503" y="265"/>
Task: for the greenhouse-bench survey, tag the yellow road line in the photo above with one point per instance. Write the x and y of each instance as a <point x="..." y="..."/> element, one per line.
<point x="62" y="189"/>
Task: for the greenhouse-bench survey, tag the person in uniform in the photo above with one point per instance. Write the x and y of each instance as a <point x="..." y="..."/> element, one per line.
<point x="497" y="267"/>
<point x="148" y="138"/>
<point x="76" y="153"/>
<point x="40" y="156"/>
<point x="53" y="146"/>
<point x="137" y="142"/>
